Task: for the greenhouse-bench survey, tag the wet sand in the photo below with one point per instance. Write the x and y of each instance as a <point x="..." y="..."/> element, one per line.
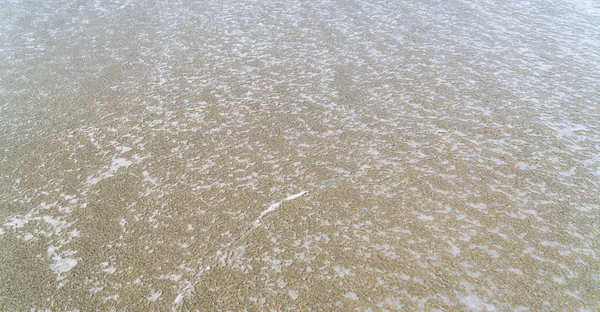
<point x="439" y="156"/>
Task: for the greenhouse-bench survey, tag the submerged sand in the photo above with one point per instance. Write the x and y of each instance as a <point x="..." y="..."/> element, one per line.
<point x="298" y="155"/>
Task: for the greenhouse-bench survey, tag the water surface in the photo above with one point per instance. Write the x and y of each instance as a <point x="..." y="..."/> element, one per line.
<point x="333" y="155"/>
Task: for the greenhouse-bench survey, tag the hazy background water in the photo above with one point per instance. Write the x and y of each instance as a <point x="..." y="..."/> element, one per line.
<point x="449" y="151"/>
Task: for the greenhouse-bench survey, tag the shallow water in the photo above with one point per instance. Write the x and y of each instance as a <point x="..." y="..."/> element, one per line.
<point x="300" y="154"/>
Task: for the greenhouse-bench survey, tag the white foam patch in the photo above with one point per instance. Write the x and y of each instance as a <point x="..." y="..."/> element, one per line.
<point x="62" y="265"/>
<point x="351" y="295"/>
<point x="454" y="250"/>
<point x="293" y="294"/>
<point x="117" y="163"/>
<point x="426" y="218"/>
<point x="474" y="303"/>
<point x="183" y="292"/>
<point x="18" y="221"/>
<point x="154" y="295"/>
<point x="275" y="206"/>
<point x="61" y="261"/>
<point x="171" y="276"/>
<point x="120" y="163"/>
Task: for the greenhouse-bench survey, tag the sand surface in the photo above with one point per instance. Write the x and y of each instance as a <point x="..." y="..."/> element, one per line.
<point x="297" y="155"/>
